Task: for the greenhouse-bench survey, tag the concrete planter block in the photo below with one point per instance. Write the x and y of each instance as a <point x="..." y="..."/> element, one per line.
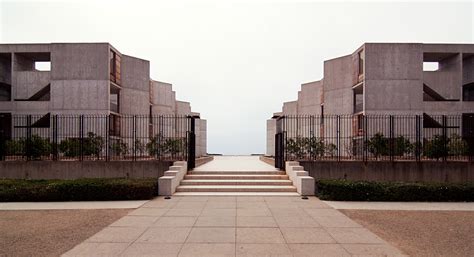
<point x="167" y="184"/>
<point x="297" y="167"/>
<point x="301" y="180"/>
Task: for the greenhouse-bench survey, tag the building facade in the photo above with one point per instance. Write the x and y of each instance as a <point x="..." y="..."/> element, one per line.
<point x="428" y="80"/>
<point x="88" y="79"/>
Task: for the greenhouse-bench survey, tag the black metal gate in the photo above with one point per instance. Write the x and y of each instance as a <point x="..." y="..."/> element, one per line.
<point x="279" y="144"/>
<point x="191" y="143"/>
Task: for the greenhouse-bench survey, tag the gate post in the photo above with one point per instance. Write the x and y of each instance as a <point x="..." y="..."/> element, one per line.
<point x="192" y="144"/>
<point x="279" y="144"/>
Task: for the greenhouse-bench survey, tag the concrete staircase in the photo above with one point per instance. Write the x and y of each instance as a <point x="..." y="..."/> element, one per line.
<point x="236" y="183"/>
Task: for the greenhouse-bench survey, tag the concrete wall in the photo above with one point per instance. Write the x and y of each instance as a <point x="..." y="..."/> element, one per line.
<point x="201" y="137"/>
<point x="28" y="83"/>
<point x="271" y="131"/>
<point x="80" y="78"/>
<point x="392" y="171"/>
<point x="393" y="78"/>
<point x="337" y="85"/>
<point x="183" y="108"/>
<point x="447" y="80"/>
<point x="162" y="98"/>
<point x="309" y="98"/>
<point x="84" y="169"/>
<point x="135" y="93"/>
<point x="80" y="61"/>
<point x="290" y="108"/>
<point x="79" y="96"/>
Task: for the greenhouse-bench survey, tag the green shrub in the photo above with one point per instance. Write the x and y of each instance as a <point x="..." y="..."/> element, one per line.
<point x="436" y="147"/>
<point x="330" y="149"/>
<point x="139" y="147"/>
<point x="15" y="147"/>
<point x="77" y="190"/>
<point x="32" y="148"/>
<point x="91" y="145"/>
<point x="118" y="147"/>
<point x="402" y="146"/>
<point x="296" y="147"/>
<point x="457" y="146"/>
<point x="378" y="145"/>
<point x="160" y="145"/>
<point x="344" y="190"/>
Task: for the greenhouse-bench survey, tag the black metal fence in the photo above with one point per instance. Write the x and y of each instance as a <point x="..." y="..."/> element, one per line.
<point x="97" y="137"/>
<point x="374" y="137"/>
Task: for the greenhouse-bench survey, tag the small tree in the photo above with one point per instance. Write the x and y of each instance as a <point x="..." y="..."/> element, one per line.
<point x="402" y="146"/>
<point x="330" y="149"/>
<point x="119" y="147"/>
<point x="315" y="146"/>
<point x="139" y="147"/>
<point x="296" y="147"/>
<point x="457" y="146"/>
<point x="378" y="145"/>
<point x="15" y="147"/>
<point x="154" y="146"/>
<point x="91" y="145"/>
<point x="436" y="147"/>
<point x="33" y="148"/>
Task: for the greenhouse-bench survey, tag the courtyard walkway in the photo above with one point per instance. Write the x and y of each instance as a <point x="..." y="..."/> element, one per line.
<point x="234" y="226"/>
<point x="236" y="163"/>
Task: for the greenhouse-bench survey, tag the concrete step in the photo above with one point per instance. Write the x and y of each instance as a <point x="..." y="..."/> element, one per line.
<point x="243" y="172"/>
<point x="236" y="176"/>
<point x="235" y="194"/>
<point x="268" y="182"/>
<point x="220" y="188"/>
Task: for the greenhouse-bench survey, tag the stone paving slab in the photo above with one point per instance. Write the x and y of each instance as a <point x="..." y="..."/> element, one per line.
<point x="235" y="226"/>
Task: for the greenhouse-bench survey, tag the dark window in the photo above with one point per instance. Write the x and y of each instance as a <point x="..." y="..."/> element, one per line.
<point x="114" y="125"/>
<point x="115" y="71"/>
<point x="361" y="63"/>
<point x="5" y="126"/>
<point x="5" y="92"/>
<point x="322" y="114"/>
<point x="468" y="92"/>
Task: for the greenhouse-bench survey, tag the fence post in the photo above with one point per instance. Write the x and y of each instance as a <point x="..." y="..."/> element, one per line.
<point x="28" y="137"/>
<point x="55" y="137"/>
<point x="418" y="138"/>
<point x="445" y="141"/>
<point x="134" y="137"/>
<point x="365" y="143"/>
<point x="107" y="134"/>
<point x="338" y="138"/>
<point x="81" y="135"/>
<point x="391" y="139"/>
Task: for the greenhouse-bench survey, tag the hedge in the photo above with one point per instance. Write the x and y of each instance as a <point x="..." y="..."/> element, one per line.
<point x="344" y="190"/>
<point x="100" y="189"/>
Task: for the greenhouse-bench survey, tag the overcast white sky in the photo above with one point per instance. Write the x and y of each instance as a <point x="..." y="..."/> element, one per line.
<point x="236" y="61"/>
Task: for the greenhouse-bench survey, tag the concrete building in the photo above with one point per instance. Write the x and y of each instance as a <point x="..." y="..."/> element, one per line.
<point x="391" y="79"/>
<point x="86" y="79"/>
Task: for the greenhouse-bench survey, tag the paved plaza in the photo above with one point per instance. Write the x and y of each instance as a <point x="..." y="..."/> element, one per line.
<point x="234" y="226"/>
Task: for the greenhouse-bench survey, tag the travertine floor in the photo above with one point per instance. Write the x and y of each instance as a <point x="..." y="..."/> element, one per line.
<point x="234" y="226"/>
<point x="234" y="163"/>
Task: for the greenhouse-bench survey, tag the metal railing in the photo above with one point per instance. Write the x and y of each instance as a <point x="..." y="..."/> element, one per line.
<point x="375" y="137"/>
<point x="97" y="137"/>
